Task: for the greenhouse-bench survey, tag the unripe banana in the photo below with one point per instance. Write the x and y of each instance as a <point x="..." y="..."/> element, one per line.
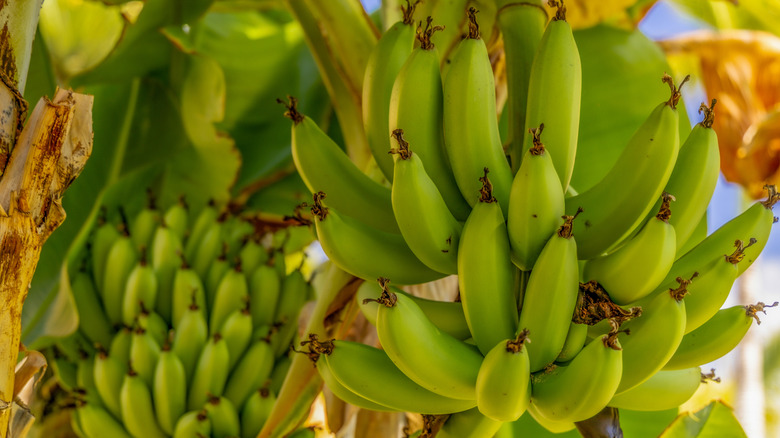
<point x="469" y="424"/>
<point x="210" y="374"/>
<point x="416" y="106"/>
<point x="551" y="295"/>
<point x="715" y="337"/>
<point x="537" y="420"/>
<point x="109" y="374"/>
<point x="535" y="204"/>
<point x="252" y="255"/>
<point x="232" y="294"/>
<point x="318" y="158"/>
<point x="224" y="418"/>
<point x="93" y="321"/>
<point x="279" y="373"/>
<point x="140" y="290"/>
<point x="575" y="340"/>
<point x="193" y="424"/>
<point x="368" y="253"/>
<point x="169" y="390"/>
<point x="165" y="255"/>
<point x="137" y="411"/>
<point x="472" y="139"/>
<point x="123" y="258"/>
<point x="256" y="411"/>
<point x="209" y="248"/>
<point x="618" y="203"/>
<point x="85" y="377"/>
<point x="237" y="331"/>
<point x="424" y="353"/>
<point x="216" y="273"/>
<point x="345" y="394"/>
<point x="427" y="225"/>
<point x="176" y="218"/>
<point x="206" y="218"/>
<point x="638" y="267"/>
<point x="386" y="60"/>
<point x="66" y="371"/>
<point x="154" y="325"/>
<point x="105" y="236"/>
<point x="294" y="293"/>
<point x="189" y="339"/>
<point x="187" y="290"/>
<point x="554" y="94"/>
<point x="278" y="261"/>
<point x="144" y="353"/>
<point x="503" y="390"/>
<point x="145" y="222"/>
<point x="120" y="345"/>
<point x="664" y="390"/>
<point x="96" y="421"/>
<point x="581" y="389"/>
<point x="264" y="288"/>
<point x="486" y="274"/>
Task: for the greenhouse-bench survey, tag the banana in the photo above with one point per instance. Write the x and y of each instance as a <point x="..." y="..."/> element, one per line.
<point x="716" y="337"/>
<point x="318" y="158"/>
<point x="279" y="262"/>
<point x="102" y="241"/>
<point x="154" y="325"/>
<point x="503" y="390"/>
<point x="206" y="218"/>
<point x="209" y="249"/>
<point x="551" y="295"/>
<point x="486" y="274"/>
<point x="145" y="222"/>
<point x="85" y="377"/>
<point x="193" y="424"/>
<point x="165" y="255"/>
<point x="345" y="394"/>
<point x="189" y="339"/>
<point x="137" y="411"/>
<point x="250" y="373"/>
<point x="537" y="420"/>
<point x="473" y="141"/>
<point x="618" y="203"/>
<point x="279" y="373"/>
<point x="295" y="292"/>
<point x="386" y="60"/>
<point x="575" y="340"/>
<point x="237" y="331"/>
<point x="252" y="255"/>
<point x="424" y="353"/>
<point x="176" y="218"/>
<point x="120" y="345"/>
<point x="446" y="315"/>
<point x="96" y="421"/>
<point x="210" y="374"/>
<point x="93" y="321"/>
<point x="256" y="411"/>
<point x="169" y="390"/>
<point x="144" y="353"/>
<point x="664" y="390"/>
<point x="638" y="267"/>
<point x="416" y="106"/>
<point x="469" y="424"/>
<point x="427" y="225"/>
<point x="187" y="291"/>
<point x="368" y="253"/>
<point x="348" y="362"/>
<point x="224" y="417"/>
<point x="123" y="256"/>
<point x="140" y="290"/>
<point x="535" y="204"/>
<point x="264" y="289"/>
<point x="554" y="94"/>
<point x="108" y="376"/>
<point x="232" y="294"/>
<point x="581" y="389"/>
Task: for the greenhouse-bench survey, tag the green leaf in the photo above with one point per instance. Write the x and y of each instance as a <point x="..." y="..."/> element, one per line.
<point x="621" y="84"/>
<point x="637" y="424"/>
<point x="713" y="421"/>
<point x="748" y="14"/>
<point x="40" y="79"/>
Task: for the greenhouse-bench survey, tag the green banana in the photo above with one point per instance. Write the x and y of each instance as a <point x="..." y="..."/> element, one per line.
<point x="109" y="374"/>
<point x="140" y="290"/>
<point x="469" y="424"/>
<point x="554" y="94"/>
<point x="153" y="323"/>
<point x="237" y="331"/>
<point x="427" y="225"/>
<point x="93" y="321"/>
<point x="486" y="274"/>
<point x="664" y="390"/>
<point x="279" y="373"/>
<point x="211" y="373"/>
<point x="715" y="337"/>
<point x="446" y="315"/>
<point x="145" y="222"/>
<point x="503" y="389"/>
<point x="294" y="293"/>
<point x="250" y="373"/>
<point x="256" y="411"/>
<point x="318" y="158"/>
<point x="165" y="255"/>
<point x="581" y="389"/>
<point x="144" y="353"/>
<point x="349" y="363"/>
<point x="187" y="291"/>
<point x="539" y="420"/>
<point x="416" y="106"/>
<point x="189" y="339"/>
<point x="575" y="340"/>
<point x="345" y="394"/>
<point x="120" y="345"/>
<point x="368" y="253"/>
<point x="193" y="424"/>
<point x="176" y="218"/>
<point x="169" y="390"/>
<point x="638" y="267"/>
<point x="252" y="255"/>
<point x="473" y="141"/>
<point x="264" y="288"/>
<point x="618" y="203"/>
<point x="424" y="353"/>
<point x="85" y="377"/>
<point x="96" y="421"/>
<point x="535" y="204"/>
<point x="209" y="249"/>
<point x="206" y="218"/>
<point x="103" y="239"/>
<point x="137" y="411"/>
<point x="551" y="295"/>
<point x="386" y="60"/>
<point x="123" y="256"/>
<point x="224" y="417"/>
<point x="232" y="294"/>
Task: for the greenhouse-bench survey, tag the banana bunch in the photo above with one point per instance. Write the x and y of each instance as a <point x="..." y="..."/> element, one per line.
<point x="185" y="325"/>
<point x="569" y="301"/>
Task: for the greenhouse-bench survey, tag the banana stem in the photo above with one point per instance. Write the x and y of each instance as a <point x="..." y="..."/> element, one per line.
<point x="604" y="424"/>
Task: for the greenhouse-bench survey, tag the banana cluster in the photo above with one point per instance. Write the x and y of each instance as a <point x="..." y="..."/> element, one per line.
<point x="569" y="302"/>
<point x="191" y="325"/>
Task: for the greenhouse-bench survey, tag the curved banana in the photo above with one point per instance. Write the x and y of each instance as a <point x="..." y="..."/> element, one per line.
<point x="169" y="390"/>
<point x="109" y="374"/>
<point x="575" y="340"/>
<point x="264" y="288"/>
<point x="554" y="94"/>
<point x="232" y="294"/>
<point x="189" y="339"/>
<point x="638" y="267"/>
<point x="153" y="323"/>
<point x="176" y="218"/>
<point x="103" y="239"/>
<point x="165" y="256"/>
<point x="144" y="354"/>
<point x="424" y="353"/>
<point x="209" y="249"/>
<point x="427" y="225"/>
<point x="368" y="253"/>
<point x="237" y="331"/>
<point x="469" y="424"/>
<point x="224" y="417"/>
<point x="535" y="204"/>
<point x="93" y="321"/>
<point x="187" y="291"/>
<point x="345" y="394"/>
<point x="96" y="421"/>
<point x="715" y="337"/>
<point x="664" y="390"/>
<point x="581" y="389"/>
<point x="486" y="274"/>
<point x="120" y="345"/>
<point x="473" y="141"/>
<point x="416" y="107"/>
<point x="193" y="424"/>
<point x="145" y="222"/>
<point x="211" y="373"/>
<point x="551" y="295"/>
<point x="256" y="411"/>
<point x="618" y="203"/>
<point x="140" y="290"/>
<point x="123" y="256"/>
<point x="295" y="292"/>
<point x="206" y="218"/>
<point x="137" y="411"/>
<point x="386" y="60"/>
<point x="252" y="255"/>
<point x="503" y="388"/>
<point x="250" y="373"/>
<point x="318" y="158"/>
